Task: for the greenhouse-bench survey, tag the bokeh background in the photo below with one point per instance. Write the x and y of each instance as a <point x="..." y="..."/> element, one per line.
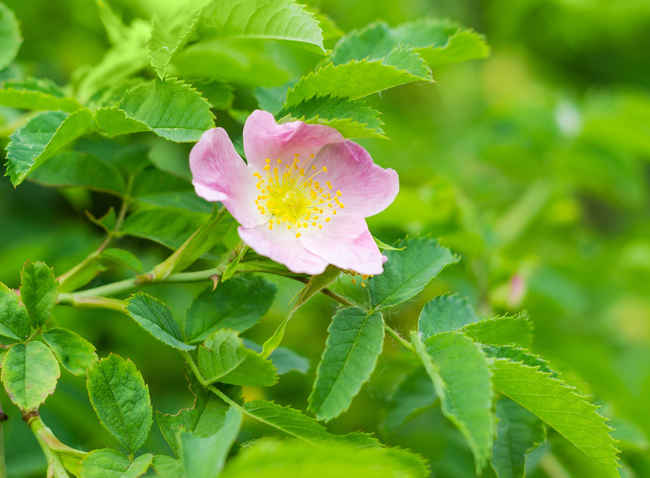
<point x="534" y="165"/>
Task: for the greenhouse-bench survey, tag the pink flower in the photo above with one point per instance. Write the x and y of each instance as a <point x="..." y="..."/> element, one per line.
<point x="303" y="197"/>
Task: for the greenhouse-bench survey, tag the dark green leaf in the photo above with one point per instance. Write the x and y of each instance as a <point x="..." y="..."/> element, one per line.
<point x="445" y="314"/>
<point x="74" y="352"/>
<point x="38" y="291"/>
<point x="415" y="393"/>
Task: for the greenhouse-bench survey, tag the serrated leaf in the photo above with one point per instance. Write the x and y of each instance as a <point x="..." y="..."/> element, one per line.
<point x="220" y="354"/>
<point x="237" y="304"/>
<point x="518" y="354"/>
<point x="353" y="119"/>
<point x="414" y="393"/>
<point x="108" y="463"/>
<point x="354" y="342"/>
<point x="445" y="313"/>
<point x="121" y="400"/>
<point x="73" y="168"/>
<point x="123" y="257"/>
<point x="277" y="459"/>
<point x="167" y="467"/>
<point x="154" y="316"/>
<point x="171" y="109"/>
<point x="408" y="271"/>
<point x="14" y="321"/>
<point x="263" y="19"/>
<point x="505" y="330"/>
<point x="36" y="94"/>
<point x="459" y="371"/>
<point x="289" y="420"/>
<point x="38" y="291"/>
<point x="10" y="37"/>
<point x="171" y="32"/>
<point x="29" y="374"/>
<point x="205" y="456"/>
<point x="41" y="138"/>
<point x="220" y="95"/>
<point x="560" y="407"/>
<point x="518" y="432"/>
<point x="358" y="79"/>
<point x="74" y="352"/>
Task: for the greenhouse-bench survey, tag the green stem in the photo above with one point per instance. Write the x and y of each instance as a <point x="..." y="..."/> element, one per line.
<point x="51" y="447"/>
<point x="401" y="340"/>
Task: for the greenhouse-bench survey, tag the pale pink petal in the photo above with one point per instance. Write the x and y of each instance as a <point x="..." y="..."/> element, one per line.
<point x="219" y="174"/>
<point x="366" y="188"/>
<point x="346" y="243"/>
<point x="282" y="246"/>
<point x="264" y="138"/>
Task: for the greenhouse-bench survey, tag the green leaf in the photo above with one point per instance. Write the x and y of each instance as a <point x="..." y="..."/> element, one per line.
<point x="506" y="330"/>
<point x="36" y="94"/>
<point x="220" y="354"/>
<point x="171" y="158"/>
<point x="107" y="463"/>
<point x="167" y="226"/>
<point x="284" y="360"/>
<point x="205" y="456"/>
<point x="171" y="109"/>
<point x="407" y="272"/>
<point x="74" y="352"/>
<point x="460" y="374"/>
<point x="272" y="458"/>
<point x="154" y="316"/>
<point x="414" y="393"/>
<point x="353" y="345"/>
<point x="560" y="407"/>
<point x="38" y="291"/>
<point x="72" y="168"/>
<point x="167" y="467"/>
<point x="518" y="354"/>
<point x="220" y="95"/>
<point x="82" y="276"/>
<point x="121" y="400"/>
<point x="518" y="432"/>
<point x="237" y="304"/>
<point x="14" y="321"/>
<point x="41" y="138"/>
<point x="112" y="122"/>
<point x="171" y="32"/>
<point x="10" y="37"/>
<point x="358" y="79"/>
<point x="272" y="99"/>
<point x="29" y="374"/>
<point x="445" y="314"/>
<point x="122" y="257"/>
<point x="353" y="119"/>
<point x="277" y="20"/>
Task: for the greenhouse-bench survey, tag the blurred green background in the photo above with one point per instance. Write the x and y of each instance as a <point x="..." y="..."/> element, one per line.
<point x="534" y="165"/>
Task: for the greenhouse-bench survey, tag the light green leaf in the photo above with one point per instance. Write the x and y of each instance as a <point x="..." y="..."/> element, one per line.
<point x="460" y="374"/>
<point x="205" y="456"/>
<point x="38" y="291"/>
<point x="167" y="467"/>
<point x="353" y="119"/>
<point x="29" y="374"/>
<point x="414" y="393"/>
<point x="14" y="321"/>
<point x="121" y="400"/>
<point x="263" y="19"/>
<point x="505" y="330"/>
<point x="220" y="354"/>
<point x="154" y="316"/>
<point x="171" y="109"/>
<point x="408" y="271"/>
<point x="123" y="257"/>
<point x="171" y="158"/>
<point x="172" y="31"/>
<point x="518" y="354"/>
<point x="10" y="37"/>
<point x="112" y="122"/>
<point x="278" y="459"/>
<point x="560" y="407"/>
<point x="36" y="94"/>
<point x="354" y="342"/>
<point x="41" y="138"/>
<point x="358" y="79"/>
<point x="74" y="352"/>
<point x="518" y="432"/>
<point x="445" y="314"/>
<point x="237" y="304"/>
<point x="107" y="463"/>
<point x="73" y="168"/>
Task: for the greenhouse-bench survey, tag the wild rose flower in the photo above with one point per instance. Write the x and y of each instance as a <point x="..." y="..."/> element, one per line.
<point x="303" y="197"/>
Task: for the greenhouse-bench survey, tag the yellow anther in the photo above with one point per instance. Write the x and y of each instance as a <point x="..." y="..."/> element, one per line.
<point x="329" y="185"/>
<point x="268" y="160"/>
<point x="311" y="155"/>
<point x="267" y="167"/>
<point x="338" y="192"/>
<point x="298" y="235"/>
<point x="324" y="169"/>
<point x="328" y="219"/>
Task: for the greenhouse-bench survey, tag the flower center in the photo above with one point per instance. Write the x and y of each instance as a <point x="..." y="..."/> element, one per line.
<point x="289" y="195"/>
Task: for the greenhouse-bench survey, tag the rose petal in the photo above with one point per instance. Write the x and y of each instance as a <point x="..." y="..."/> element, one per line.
<point x="346" y="243"/>
<point x="282" y="246"/>
<point x="264" y="138"/>
<point x="219" y="174"/>
<point x="366" y="188"/>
